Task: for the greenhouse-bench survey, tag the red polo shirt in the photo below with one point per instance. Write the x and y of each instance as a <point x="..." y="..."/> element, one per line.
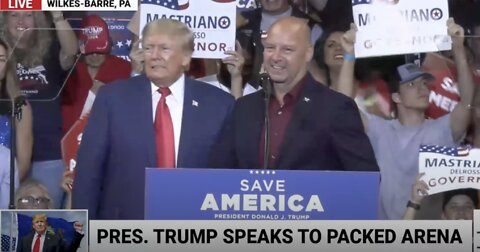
<point x="279" y="120"/>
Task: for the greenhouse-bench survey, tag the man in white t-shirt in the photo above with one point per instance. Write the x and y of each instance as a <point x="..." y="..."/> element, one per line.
<point x="396" y="142"/>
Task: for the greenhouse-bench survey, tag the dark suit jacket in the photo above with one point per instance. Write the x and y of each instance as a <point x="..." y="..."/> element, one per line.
<point x="119" y="143"/>
<point x="325" y="133"/>
<point x="52" y="243"/>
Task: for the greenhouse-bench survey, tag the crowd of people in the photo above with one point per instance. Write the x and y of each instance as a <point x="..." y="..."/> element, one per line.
<point x="327" y="110"/>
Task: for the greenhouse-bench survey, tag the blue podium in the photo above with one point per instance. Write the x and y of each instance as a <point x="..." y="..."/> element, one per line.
<point x="233" y="194"/>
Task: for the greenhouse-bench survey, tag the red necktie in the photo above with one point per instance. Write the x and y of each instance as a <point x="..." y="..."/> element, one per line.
<point x="36" y="246"/>
<point x="164" y="132"/>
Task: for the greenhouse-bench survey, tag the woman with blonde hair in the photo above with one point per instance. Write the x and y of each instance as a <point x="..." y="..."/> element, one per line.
<point x="45" y="47"/>
<point x="9" y="91"/>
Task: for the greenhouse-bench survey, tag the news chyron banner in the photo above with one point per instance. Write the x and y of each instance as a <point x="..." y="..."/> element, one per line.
<point x="213" y="22"/>
<point x="63" y="230"/>
<point x="69" y="5"/>
<point x="231" y="194"/>
<point x="449" y="168"/>
<point x="392" y="27"/>
<point x="326" y="235"/>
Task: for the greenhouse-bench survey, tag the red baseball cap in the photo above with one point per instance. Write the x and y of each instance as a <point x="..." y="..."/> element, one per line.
<point x="94" y="37"/>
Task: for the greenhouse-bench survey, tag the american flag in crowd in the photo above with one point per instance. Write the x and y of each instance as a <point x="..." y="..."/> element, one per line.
<point x="121" y="38"/>
<point x="451" y="151"/>
<point x="171" y="4"/>
<point x="6" y="243"/>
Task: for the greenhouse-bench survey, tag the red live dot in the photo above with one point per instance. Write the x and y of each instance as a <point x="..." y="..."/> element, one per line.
<point x="14" y="5"/>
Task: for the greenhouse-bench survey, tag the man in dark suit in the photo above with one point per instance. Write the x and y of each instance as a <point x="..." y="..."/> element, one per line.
<point x="159" y="119"/>
<point x="311" y="126"/>
<point x="39" y="240"/>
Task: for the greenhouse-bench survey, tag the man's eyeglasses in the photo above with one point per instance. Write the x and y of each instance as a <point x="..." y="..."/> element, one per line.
<point x="31" y="201"/>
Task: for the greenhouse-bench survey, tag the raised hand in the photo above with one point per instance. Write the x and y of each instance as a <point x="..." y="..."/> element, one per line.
<point x="241" y="21"/>
<point x="136" y="57"/>
<point x="456" y="32"/>
<point x="419" y="189"/>
<point x="56" y="15"/>
<point x="78" y="227"/>
<point x="348" y="39"/>
<point x="235" y="61"/>
<point x="67" y="181"/>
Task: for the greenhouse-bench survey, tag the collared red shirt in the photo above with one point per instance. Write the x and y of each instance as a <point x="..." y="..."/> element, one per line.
<point x="175" y="105"/>
<point x="280" y="117"/>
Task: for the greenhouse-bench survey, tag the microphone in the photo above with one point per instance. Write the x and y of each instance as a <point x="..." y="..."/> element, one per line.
<point x="19" y="102"/>
<point x="267" y="89"/>
<point x="14" y="108"/>
<point x="266" y="84"/>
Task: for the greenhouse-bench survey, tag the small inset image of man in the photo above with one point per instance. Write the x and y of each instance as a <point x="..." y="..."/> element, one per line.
<point x="44" y="231"/>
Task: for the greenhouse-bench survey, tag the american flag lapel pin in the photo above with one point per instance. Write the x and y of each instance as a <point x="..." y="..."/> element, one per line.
<point x="194" y="103"/>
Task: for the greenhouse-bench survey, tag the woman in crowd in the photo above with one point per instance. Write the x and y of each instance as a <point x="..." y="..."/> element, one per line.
<point x="372" y="93"/>
<point x="9" y="90"/>
<point x="233" y="72"/>
<point x="44" y="55"/>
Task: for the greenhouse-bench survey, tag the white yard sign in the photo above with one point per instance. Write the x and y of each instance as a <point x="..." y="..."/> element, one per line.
<point x="212" y="21"/>
<point x="448" y="168"/>
<point x="389" y="27"/>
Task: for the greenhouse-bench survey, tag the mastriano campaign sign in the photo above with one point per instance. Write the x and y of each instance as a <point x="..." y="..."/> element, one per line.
<point x="213" y="22"/>
<point x="387" y="27"/>
<point x="449" y="168"/>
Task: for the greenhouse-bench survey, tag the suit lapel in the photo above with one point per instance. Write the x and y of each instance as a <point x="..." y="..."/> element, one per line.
<point x="255" y="122"/>
<point x="191" y="116"/>
<point x="29" y="242"/>
<point x="300" y="115"/>
<point x="144" y="101"/>
<point x="46" y="243"/>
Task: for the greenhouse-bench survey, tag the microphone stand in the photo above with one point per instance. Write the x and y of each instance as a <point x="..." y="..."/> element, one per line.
<point x="15" y="111"/>
<point x="267" y="88"/>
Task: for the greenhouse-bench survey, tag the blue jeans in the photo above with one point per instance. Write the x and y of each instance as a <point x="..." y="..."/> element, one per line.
<point x="50" y="174"/>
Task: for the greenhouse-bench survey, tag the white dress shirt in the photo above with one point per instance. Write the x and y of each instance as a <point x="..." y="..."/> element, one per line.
<point x="42" y="241"/>
<point x="175" y="106"/>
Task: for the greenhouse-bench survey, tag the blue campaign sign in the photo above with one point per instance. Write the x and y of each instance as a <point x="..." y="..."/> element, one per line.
<point x="214" y="194"/>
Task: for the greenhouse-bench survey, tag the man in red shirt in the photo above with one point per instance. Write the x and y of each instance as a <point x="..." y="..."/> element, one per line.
<point x="311" y="126"/>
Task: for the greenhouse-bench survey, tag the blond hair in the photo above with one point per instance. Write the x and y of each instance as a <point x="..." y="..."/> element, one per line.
<point x="9" y="86"/>
<point x="38" y="45"/>
<point x="37" y="217"/>
<point x="173" y="28"/>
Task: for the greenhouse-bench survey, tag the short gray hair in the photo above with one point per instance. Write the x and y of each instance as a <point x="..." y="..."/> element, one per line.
<point x="32" y="183"/>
